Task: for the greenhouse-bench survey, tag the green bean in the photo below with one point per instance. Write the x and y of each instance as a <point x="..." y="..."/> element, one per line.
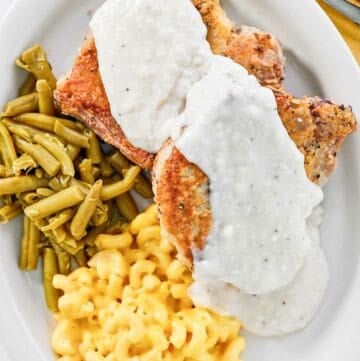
<point x="46" y="101"/>
<point x="81" y="258"/>
<point x="96" y="172"/>
<point x="50" y="269"/>
<point x="39" y="173"/>
<point x="59" y="201"/>
<point x="3" y="172"/>
<point x="24" y="162"/>
<point x="72" y="151"/>
<point x="142" y="185"/>
<point x="64" y="261"/>
<point x="9" y="212"/>
<point x="43" y="121"/>
<point x="85" y="211"/>
<point x="117" y="227"/>
<point x="86" y="171"/>
<point x="67" y="166"/>
<point x="58" y="220"/>
<point x="94" y="151"/>
<point x="45" y="192"/>
<point x="101" y="215"/>
<point x="91" y="251"/>
<point x="25" y="104"/>
<point x="113" y="190"/>
<point x="55" y="185"/>
<point x="105" y="168"/>
<point x="29" y="253"/>
<point x="70" y="135"/>
<point x="44" y="158"/>
<point x="20" y="184"/>
<point x="54" y="243"/>
<point x="127" y="206"/>
<point x="34" y="60"/>
<point x="22" y="131"/>
<point x="119" y="162"/>
<point x="28" y="85"/>
<point x="29" y="198"/>
<point x="7" y="148"/>
<point x="85" y="187"/>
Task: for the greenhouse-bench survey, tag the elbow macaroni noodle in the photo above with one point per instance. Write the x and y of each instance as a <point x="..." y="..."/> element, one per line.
<point x="132" y="304"/>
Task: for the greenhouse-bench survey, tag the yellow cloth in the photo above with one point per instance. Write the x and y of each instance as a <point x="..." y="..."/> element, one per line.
<point x="349" y="30"/>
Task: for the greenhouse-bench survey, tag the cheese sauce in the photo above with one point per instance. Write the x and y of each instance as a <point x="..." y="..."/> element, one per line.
<point x="150" y="53"/>
<point x="259" y="193"/>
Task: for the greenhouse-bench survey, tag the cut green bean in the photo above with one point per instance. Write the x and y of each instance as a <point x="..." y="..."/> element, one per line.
<point x="85" y="187"/>
<point x="29" y="253"/>
<point x="106" y="168"/>
<point x="9" y="212"/>
<point x="29" y="198"/>
<point x="24" y="163"/>
<point x="43" y="121"/>
<point x="113" y="190"/>
<point x="50" y="269"/>
<point x="80" y="258"/>
<point x="34" y="60"/>
<point x="86" y="171"/>
<point x="85" y="211"/>
<point x="59" y="201"/>
<point x="70" y="135"/>
<point x="25" y="104"/>
<point x="20" y="184"/>
<point x="3" y="172"/>
<point x="22" y="131"/>
<point x="117" y="227"/>
<point x="64" y="261"/>
<point x="72" y="151"/>
<point x="127" y="206"/>
<point x="67" y="166"/>
<point x="46" y="101"/>
<point x="101" y="215"/>
<point x="58" y="220"/>
<point x="94" y="151"/>
<point x="45" y="192"/>
<point x="142" y="185"/>
<point x="28" y="86"/>
<point x="7" y="148"/>
<point x="44" y="158"/>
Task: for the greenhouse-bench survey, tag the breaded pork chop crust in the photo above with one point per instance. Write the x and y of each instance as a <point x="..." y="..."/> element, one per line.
<point x="81" y="94"/>
<point x="181" y="189"/>
<point x="182" y="195"/>
<point x="318" y="128"/>
<point x="257" y="51"/>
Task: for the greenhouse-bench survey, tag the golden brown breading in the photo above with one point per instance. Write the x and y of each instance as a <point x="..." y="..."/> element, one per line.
<point x="259" y="52"/>
<point x="182" y="194"/>
<point x="318" y="127"/>
<point x="323" y="125"/>
<point x="81" y="94"/>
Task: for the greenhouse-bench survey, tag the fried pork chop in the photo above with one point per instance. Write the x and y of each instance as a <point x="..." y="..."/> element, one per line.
<point x="257" y="51"/>
<point x="317" y="126"/>
<point x="81" y="94"/>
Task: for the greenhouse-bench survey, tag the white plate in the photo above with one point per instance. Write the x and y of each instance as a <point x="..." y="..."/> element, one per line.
<point x="318" y="63"/>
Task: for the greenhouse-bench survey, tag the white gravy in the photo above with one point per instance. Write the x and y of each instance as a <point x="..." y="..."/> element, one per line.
<point x="260" y="195"/>
<point x="150" y="53"/>
<point x="162" y="80"/>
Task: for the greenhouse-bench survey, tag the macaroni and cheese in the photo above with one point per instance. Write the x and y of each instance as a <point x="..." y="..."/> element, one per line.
<point x="132" y="304"/>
